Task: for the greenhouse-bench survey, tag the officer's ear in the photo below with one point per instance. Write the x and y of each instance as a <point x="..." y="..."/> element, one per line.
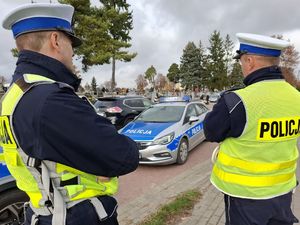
<point x="250" y="62"/>
<point x="54" y="40"/>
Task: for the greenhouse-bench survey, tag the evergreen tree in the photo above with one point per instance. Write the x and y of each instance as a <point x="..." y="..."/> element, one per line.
<point x="92" y="28"/>
<point x="94" y="85"/>
<point x="216" y="62"/>
<point x="174" y="73"/>
<point x="190" y="66"/>
<point x="119" y="18"/>
<point x="104" y="31"/>
<point x="228" y="47"/>
<point x="204" y="76"/>
<point x="235" y="78"/>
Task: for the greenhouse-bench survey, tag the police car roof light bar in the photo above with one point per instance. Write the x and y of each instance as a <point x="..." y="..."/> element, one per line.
<point x="184" y="98"/>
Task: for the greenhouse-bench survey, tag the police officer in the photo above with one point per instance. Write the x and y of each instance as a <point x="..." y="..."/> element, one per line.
<point x="61" y="153"/>
<point x="257" y="128"/>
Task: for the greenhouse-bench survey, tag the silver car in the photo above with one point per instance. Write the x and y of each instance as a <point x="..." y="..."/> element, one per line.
<point x="166" y="132"/>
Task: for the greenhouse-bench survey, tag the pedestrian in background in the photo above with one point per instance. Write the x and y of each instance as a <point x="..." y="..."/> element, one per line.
<point x="257" y="128"/>
<point x="207" y="99"/>
<point x="61" y="153"/>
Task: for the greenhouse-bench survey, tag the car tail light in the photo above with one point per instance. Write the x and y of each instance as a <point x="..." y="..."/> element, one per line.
<point x="115" y="109"/>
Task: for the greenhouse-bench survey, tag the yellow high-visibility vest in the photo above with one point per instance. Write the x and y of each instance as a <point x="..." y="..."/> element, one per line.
<point x="72" y="184"/>
<point x="261" y="163"/>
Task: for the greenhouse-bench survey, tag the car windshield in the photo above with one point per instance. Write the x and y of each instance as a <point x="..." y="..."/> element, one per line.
<point x="162" y="114"/>
<point x="107" y="103"/>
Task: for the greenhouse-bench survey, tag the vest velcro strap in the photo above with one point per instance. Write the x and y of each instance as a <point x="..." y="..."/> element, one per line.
<point x="261" y="181"/>
<point x="72" y="181"/>
<point x="253" y="167"/>
<point x="33" y="162"/>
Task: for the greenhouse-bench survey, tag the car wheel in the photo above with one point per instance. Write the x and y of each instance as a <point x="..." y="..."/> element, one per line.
<point x="183" y="151"/>
<point x="12" y="206"/>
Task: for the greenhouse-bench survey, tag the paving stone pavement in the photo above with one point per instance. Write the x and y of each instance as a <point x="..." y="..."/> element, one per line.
<point x="208" y="211"/>
<point x="136" y="210"/>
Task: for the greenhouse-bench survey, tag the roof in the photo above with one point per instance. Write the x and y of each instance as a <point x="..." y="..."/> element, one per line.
<point x="172" y="104"/>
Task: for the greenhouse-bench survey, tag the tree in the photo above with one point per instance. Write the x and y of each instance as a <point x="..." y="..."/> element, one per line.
<point x="107" y="85"/>
<point x="228" y="47"/>
<point x="235" y="78"/>
<point x="14" y="52"/>
<point x="94" y="85"/>
<point x="289" y="61"/>
<point x="170" y="86"/>
<point x="2" y="82"/>
<point x="119" y="18"/>
<point x="150" y="74"/>
<point x="174" y="73"/>
<point x="80" y="89"/>
<point x="87" y="87"/>
<point x="203" y="63"/>
<point x="160" y="82"/>
<point x="90" y="26"/>
<point x="141" y="83"/>
<point x="216" y="62"/>
<point x="190" y="65"/>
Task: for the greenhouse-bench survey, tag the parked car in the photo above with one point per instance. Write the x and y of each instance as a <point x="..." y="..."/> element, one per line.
<point x="214" y="97"/>
<point x="121" y="110"/>
<point x="166" y="132"/>
<point x="12" y="199"/>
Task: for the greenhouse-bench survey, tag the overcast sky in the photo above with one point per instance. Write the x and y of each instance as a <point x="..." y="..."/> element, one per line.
<point x="162" y="28"/>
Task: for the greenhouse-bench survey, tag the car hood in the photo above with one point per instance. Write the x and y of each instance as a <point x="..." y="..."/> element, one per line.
<point x="141" y="131"/>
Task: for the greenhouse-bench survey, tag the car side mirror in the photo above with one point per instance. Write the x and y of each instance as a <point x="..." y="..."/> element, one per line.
<point x="193" y="119"/>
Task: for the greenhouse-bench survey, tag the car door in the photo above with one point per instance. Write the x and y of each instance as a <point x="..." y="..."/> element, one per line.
<point x="135" y="105"/>
<point x="190" y="111"/>
<point x="201" y="112"/>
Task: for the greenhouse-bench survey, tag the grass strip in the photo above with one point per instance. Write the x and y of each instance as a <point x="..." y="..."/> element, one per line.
<point x="182" y="205"/>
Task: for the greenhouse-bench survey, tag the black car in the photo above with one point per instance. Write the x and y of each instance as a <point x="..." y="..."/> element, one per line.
<point x="121" y="110"/>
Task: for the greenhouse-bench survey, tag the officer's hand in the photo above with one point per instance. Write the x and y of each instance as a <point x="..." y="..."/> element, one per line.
<point x="102" y="179"/>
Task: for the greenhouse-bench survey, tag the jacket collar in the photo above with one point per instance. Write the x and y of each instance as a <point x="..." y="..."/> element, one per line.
<point x="266" y="73"/>
<point x="36" y="63"/>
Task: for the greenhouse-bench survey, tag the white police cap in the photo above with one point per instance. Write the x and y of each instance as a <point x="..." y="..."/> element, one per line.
<point x="41" y="17"/>
<point x="259" y="45"/>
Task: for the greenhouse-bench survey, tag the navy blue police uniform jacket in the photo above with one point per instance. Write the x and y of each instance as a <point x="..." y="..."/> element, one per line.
<point x="53" y="123"/>
<point x="228" y="116"/>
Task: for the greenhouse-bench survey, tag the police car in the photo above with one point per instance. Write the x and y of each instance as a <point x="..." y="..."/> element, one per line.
<point x="167" y="131"/>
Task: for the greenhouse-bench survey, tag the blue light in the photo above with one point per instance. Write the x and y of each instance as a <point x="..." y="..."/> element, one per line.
<point x="185" y="98"/>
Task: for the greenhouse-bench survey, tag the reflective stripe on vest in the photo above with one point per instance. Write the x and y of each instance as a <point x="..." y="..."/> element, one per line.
<point x="254" y="167"/>
<point x="261" y="163"/>
<point x="70" y="185"/>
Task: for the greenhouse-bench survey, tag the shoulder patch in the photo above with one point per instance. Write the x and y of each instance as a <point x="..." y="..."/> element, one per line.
<point x="232" y="100"/>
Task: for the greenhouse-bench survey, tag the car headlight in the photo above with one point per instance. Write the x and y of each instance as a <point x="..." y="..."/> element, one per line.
<point x="164" y="140"/>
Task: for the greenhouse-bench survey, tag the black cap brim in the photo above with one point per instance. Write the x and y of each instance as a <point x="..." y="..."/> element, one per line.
<point x="76" y="41"/>
<point x="239" y="53"/>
